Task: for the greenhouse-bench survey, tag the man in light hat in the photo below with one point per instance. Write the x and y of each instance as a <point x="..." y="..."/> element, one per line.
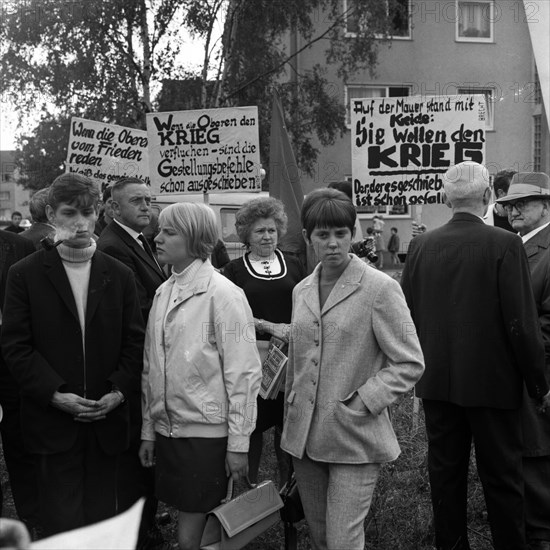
<point x="528" y="207"/>
<point x="496" y="215"/>
<point x="468" y="287"/>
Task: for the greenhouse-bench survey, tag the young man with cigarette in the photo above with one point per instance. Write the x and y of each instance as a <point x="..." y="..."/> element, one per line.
<point x="72" y="337"/>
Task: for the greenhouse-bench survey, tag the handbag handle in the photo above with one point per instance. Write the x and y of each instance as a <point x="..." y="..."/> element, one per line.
<point x="229" y="494"/>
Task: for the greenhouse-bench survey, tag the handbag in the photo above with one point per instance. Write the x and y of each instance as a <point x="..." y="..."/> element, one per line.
<point x="292" y="511"/>
<point x="238" y="520"/>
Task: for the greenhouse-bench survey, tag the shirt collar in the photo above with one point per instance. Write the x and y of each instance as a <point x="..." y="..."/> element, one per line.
<point x="129" y="230"/>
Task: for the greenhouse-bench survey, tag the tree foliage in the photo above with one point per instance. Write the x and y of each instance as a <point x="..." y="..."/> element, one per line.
<point x="106" y="61"/>
<point x="43" y="154"/>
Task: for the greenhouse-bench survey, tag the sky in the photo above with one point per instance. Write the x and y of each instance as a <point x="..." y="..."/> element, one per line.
<point x="194" y="54"/>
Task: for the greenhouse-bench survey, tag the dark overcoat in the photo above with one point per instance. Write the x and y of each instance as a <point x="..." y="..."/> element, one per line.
<point x="536" y="426"/>
<point x="469" y="291"/>
<point x="43" y="346"/>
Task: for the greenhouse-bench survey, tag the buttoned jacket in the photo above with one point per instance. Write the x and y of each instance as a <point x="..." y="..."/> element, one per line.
<point x="359" y="341"/>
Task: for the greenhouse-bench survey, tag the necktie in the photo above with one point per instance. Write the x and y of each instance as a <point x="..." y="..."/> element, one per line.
<point x="148" y="250"/>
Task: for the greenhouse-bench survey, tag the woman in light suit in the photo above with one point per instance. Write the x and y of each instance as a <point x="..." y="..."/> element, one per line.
<point x="353" y="352"/>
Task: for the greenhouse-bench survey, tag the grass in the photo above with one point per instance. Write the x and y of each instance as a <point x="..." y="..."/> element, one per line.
<point x="400" y="517"/>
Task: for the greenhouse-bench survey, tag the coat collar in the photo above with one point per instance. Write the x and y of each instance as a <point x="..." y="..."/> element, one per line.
<point x="540" y="240"/>
<point x="99" y="279"/>
<point x="466" y="217"/>
<point x="199" y="285"/>
<point x="347" y="284"/>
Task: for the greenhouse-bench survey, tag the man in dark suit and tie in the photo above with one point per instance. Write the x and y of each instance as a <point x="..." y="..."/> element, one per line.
<point x="123" y="239"/>
<point x="528" y="207"/>
<point x="72" y="336"/>
<point x="468" y="287"/>
<point x="19" y="462"/>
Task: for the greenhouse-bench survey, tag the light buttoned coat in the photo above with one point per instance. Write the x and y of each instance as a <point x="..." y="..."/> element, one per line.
<point x="362" y="340"/>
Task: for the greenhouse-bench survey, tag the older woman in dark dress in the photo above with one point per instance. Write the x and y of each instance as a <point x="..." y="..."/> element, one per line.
<point x="267" y="277"/>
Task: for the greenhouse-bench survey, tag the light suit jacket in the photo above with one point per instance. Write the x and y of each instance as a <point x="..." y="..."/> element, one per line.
<point x="362" y="340"/>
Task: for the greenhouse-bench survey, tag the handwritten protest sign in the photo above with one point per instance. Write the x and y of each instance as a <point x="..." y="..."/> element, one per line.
<point x="209" y="150"/>
<point x="106" y="152"/>
<point x="401" y="146"/>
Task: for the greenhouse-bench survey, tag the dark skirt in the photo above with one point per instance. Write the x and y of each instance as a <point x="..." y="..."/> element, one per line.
<point x="270" y="413"/>
<point x="190" y="472"/>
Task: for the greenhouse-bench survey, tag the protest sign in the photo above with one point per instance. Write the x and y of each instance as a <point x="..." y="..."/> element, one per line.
<point x="204" y="151"/>
<point x="106" y="152"/>
<point x="401" y="146"/>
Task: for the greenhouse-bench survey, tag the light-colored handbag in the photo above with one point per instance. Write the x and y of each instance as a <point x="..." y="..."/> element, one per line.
<point x="238" y="520"/>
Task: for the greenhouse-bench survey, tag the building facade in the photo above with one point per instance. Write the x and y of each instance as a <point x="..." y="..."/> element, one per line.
<point x="448" y="47"/>
<point x="13" y="197"/>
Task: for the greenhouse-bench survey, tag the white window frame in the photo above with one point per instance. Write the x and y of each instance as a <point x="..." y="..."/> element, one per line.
<point x="490" y="100"/>
<point x="385" y="87"/>
<point x="490" y="13"/>
<point x="408" y="36"/>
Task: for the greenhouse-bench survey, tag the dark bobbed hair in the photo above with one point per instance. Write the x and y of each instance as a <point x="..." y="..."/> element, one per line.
<point x="37" y="205"/>
<point x="327" y="208"/>
<point x="344" y="186"/>
<point x="74" y="189"/>
<point x="252" y="211"/>
<point x="502" y="180"/>
<point x="16" y="213"/>
<point x="120" y="184"/>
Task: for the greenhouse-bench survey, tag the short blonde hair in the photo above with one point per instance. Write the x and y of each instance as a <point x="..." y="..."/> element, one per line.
<point x="196" y="222"/>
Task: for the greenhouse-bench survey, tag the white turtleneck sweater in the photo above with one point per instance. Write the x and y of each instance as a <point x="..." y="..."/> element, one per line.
<point x="78" y="264"/>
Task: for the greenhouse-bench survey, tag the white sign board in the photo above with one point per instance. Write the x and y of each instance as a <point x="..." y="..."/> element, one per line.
<point x="106" y="152"/>
<point x="204" y="151"/>
<point x="401" y="146"/>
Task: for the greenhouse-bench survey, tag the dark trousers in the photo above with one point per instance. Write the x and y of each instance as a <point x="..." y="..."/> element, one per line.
<point x="21" y="466"/>
<point x="497" y="438"/>
<point x="78" y="487"/>
<point x="20" y="463"/>
<point x="536" y="472"/>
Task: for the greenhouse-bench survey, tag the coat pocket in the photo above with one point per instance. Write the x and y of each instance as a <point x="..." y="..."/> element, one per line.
<point x="359" y="436"/>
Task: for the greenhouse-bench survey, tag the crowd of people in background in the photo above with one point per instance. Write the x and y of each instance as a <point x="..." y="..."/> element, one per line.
<point x="132" y="351"/>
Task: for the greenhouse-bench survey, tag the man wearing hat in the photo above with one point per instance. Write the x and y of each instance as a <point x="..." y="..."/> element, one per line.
<point x="528" y="207"/>
<point x="482" y="343"/>
<point x="496" y="214"/>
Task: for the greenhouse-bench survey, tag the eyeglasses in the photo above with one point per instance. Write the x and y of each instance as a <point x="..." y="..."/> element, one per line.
<point x="518" y="205"/>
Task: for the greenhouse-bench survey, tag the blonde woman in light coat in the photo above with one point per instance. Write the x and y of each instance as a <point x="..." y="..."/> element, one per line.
<point x="201" y="374"/>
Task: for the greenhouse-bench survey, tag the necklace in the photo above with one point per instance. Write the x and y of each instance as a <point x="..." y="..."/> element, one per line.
<point x="264" y="265"/>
